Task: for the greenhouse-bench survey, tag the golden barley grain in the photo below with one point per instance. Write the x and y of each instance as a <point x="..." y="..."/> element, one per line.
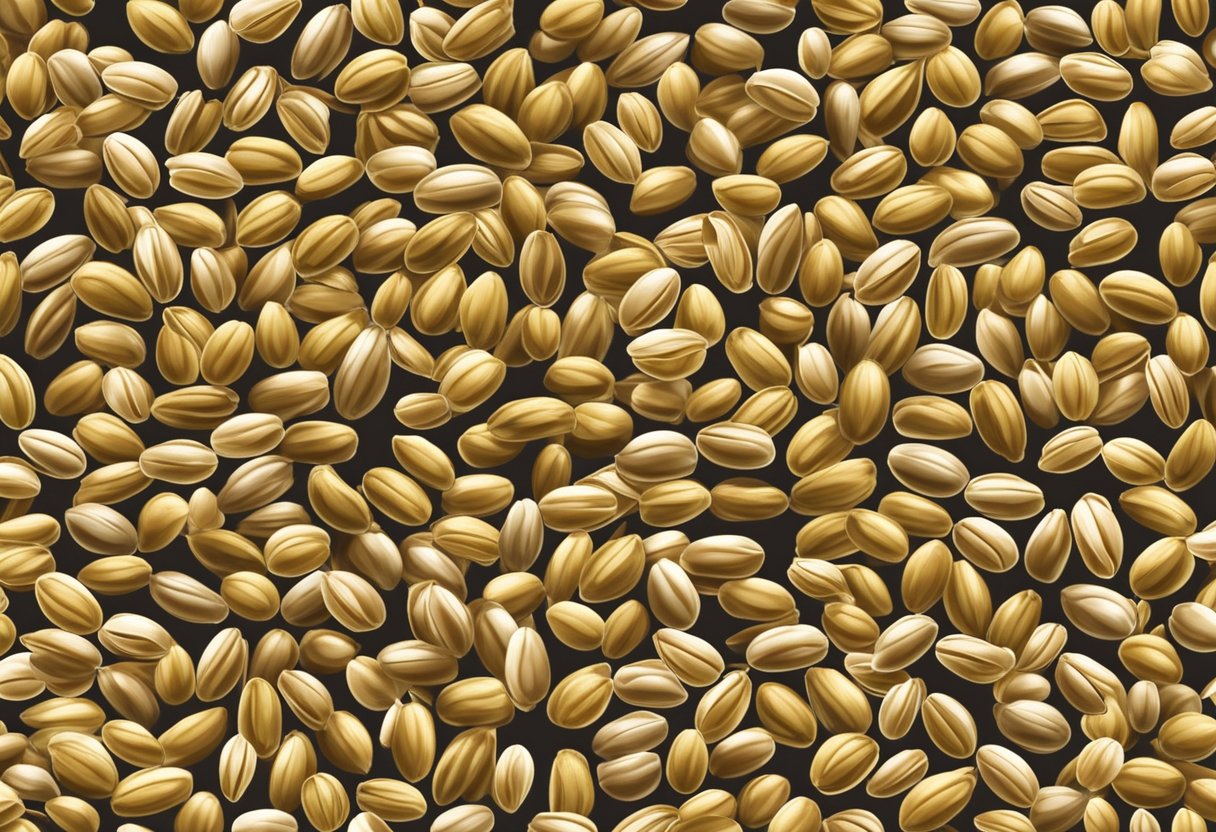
<point x="150" y="791"/>
<point x="1148" y="783"/>
<point x="936" y="799"/>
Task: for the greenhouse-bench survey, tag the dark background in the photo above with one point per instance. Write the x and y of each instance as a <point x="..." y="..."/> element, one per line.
<point x="108" y="26"/>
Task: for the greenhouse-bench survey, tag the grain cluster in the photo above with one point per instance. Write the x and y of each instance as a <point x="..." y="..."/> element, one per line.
<point x="647" y="417"/>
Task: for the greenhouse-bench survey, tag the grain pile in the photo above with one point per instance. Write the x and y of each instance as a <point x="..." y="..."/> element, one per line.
<point x="784" y="414"/>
